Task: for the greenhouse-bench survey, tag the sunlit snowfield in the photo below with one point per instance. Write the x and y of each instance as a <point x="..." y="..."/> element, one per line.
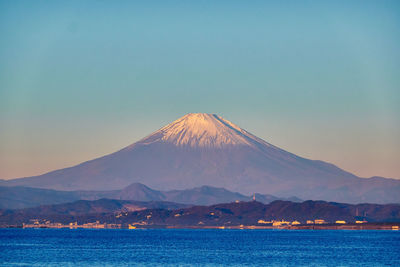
<point x="46" y="247"/>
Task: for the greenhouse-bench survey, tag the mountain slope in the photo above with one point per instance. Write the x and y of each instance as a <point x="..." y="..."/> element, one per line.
<point x="205" y="149"/>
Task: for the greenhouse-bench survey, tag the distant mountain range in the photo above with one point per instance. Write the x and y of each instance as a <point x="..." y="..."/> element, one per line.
<point x="169" y="214"/>
<point x="205" y="149"/>
<point x="19" y="197"/>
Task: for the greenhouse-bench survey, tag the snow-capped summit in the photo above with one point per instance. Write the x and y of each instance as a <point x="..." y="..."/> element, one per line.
<point x="203" y="130"/>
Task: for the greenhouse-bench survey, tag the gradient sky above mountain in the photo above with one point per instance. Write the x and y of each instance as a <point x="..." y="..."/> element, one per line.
<point x="80" y="80"/>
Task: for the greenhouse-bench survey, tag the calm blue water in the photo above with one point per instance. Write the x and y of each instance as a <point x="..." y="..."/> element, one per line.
<point x="52" y="247"/>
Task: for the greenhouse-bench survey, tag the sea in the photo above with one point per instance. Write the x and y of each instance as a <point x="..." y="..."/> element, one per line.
<point x="180" y="247"/>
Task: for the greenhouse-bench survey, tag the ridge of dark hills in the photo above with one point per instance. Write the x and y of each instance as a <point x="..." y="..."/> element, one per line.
<point x="84" y="207"/>
<point x="227" y="214"/>
<point x="19" y="197"/>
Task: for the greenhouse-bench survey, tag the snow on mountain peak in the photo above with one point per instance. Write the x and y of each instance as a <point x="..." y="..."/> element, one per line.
<point x="203" y="130"/>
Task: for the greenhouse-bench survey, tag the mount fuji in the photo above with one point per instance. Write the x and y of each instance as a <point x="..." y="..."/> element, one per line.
<point x="205" y="149"/>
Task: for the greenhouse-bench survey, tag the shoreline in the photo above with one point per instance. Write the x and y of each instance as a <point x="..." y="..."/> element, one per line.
<point x="366" y="226"/>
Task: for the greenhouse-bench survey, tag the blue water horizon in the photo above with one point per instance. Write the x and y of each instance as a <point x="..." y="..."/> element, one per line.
<point x="198" y="247"/>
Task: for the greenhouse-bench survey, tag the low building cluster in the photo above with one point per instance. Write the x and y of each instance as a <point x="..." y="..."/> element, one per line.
<point x="36" y="223"/>
<point x="295" y="222"/>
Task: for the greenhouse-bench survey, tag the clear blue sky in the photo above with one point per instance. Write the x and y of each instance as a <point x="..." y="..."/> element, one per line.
<point x="80" y="79"/>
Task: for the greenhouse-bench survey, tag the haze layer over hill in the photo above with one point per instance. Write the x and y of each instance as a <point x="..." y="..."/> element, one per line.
<point x="205" y="149"/>
<point x="18" y="197"/>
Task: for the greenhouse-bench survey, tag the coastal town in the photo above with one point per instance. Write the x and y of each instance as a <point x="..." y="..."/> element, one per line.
<point x="317" y="224"/>
<point x="36" y="223"/>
